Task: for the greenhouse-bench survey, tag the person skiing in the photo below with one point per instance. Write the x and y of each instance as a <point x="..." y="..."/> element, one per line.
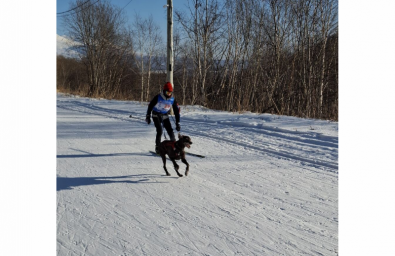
<point x="160" y="107"/>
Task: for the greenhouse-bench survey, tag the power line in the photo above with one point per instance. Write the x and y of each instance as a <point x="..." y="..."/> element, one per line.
<point x="76" y="8"/>
<point x="73" y="8"/>
<point x="126" y="5"/>
<point x="86" y="7"/>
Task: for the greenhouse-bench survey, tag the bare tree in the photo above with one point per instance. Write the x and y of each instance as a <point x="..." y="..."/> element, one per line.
<point x="182" y="64"/>
<point x="103" y="44"/>
<point x="276" y="56"/>
<point x="152" y="50"/>
<point x="148" y="42"/>
<point x="139" y="38"/>
<point x="328" y="21"/>
<point x="204" y="32"/>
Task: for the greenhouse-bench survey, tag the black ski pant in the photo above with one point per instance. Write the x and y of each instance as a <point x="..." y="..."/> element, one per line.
<point x="158" y="120"/>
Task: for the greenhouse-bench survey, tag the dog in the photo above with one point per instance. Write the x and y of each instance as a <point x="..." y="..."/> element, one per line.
<point x="175" y="151"/>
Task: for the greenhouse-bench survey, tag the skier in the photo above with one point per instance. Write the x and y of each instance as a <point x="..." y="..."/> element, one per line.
<point x="160" y="107"/>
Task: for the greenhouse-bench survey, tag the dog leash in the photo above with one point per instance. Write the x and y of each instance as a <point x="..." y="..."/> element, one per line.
<point x="174" y="121"/>
<point x="164" y="131"/>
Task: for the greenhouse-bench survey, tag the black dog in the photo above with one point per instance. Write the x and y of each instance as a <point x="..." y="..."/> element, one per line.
<point x="175" y="151"/>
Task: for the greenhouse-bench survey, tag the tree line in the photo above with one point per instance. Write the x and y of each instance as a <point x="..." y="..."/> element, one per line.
<point x="264" y="56"/>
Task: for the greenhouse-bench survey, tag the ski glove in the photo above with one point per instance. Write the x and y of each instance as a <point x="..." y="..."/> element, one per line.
<point x="148" y="119"/>
<point x="178" y="127"/>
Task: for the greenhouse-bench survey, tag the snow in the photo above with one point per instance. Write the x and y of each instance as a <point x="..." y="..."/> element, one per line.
<point x="268" y="184"/>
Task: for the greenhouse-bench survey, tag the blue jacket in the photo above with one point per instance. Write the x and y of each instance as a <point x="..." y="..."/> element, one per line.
<point x="161" y="105"/>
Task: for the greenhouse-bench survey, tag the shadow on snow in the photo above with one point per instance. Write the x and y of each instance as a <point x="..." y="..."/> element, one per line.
<point x="97" y="155"/>
<point x="88" y="154"/>
<point x="65" y="183"/>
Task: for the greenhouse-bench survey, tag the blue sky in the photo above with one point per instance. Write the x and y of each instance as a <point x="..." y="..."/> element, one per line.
<point x="143" y="7"/>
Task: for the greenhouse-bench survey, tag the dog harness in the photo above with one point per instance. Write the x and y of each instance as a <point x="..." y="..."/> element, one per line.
<point x="163" y="106"/>
<point x="173" y="144"/>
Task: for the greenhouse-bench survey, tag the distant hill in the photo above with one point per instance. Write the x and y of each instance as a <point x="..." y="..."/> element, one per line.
<point x="63" y="45"/>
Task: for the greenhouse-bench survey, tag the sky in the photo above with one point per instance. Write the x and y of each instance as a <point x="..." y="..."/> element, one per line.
<point x="144" y="8"/>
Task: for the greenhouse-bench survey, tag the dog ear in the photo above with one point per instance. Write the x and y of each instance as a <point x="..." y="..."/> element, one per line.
<point x="179" y="135"/>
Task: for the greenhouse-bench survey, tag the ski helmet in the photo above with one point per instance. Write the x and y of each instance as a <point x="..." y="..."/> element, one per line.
<point x="168" y="87"/>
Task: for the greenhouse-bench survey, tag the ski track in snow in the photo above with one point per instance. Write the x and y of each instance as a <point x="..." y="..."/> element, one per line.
<point x="262" y="189"/>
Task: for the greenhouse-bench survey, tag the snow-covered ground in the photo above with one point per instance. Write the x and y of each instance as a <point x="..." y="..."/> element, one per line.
<point x="268" y="184"/>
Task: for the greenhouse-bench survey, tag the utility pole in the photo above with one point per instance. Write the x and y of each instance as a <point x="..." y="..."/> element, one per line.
<point x="170" y="58"/>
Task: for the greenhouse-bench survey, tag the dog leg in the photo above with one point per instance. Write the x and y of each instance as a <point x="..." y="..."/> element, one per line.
<point x="186" y="163"/>
<point x="164" y="164"/>
<point x="176" y="167"/>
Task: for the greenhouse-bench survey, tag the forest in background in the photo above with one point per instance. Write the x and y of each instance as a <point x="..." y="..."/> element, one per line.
<point x="263" y="56"/>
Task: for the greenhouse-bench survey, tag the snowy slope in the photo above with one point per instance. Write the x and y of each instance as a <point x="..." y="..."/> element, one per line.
<point x="268" y="184"/>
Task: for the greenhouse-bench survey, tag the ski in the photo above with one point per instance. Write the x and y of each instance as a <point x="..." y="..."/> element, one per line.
<point x="138" y="118"/>
<point x="192" y="154"/>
